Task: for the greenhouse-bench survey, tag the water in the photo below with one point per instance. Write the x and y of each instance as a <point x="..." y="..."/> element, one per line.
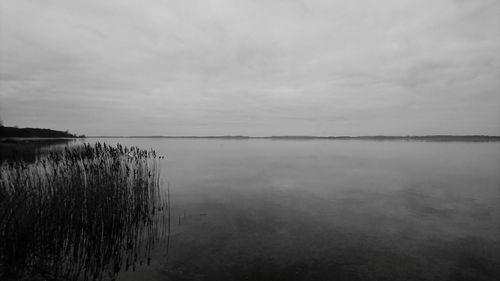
<point x="328" y="210"/>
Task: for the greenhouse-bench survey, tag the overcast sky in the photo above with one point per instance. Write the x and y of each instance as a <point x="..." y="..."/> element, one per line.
<point x="256" y="67"/>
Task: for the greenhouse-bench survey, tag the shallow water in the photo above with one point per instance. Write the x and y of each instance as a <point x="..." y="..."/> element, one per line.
<point x="328" y="210"/>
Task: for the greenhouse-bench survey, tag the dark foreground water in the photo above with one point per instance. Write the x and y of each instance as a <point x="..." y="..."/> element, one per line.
<point x="328" y="210"/>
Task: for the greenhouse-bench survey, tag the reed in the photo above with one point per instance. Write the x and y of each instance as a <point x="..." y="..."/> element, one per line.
<point x="83" y="213"/>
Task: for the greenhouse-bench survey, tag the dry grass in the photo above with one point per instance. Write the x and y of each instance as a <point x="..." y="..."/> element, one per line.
<point x="83" y="213"/>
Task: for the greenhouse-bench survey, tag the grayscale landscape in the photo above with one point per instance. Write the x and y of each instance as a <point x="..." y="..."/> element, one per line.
<point x="249" y="140"/>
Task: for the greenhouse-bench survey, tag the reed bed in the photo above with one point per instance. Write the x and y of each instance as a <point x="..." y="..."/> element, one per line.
<point x="82" y="213"/>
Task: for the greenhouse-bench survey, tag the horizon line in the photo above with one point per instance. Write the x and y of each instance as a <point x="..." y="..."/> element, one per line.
<point x="300" y="136"/>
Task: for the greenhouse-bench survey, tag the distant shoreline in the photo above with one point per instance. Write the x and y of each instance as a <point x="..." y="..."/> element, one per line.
<point x="7" y="132"/>
<point x="23" y="135"/>
<point x="469" y="138"/>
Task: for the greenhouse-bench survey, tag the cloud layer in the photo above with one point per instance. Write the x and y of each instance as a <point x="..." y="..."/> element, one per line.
<point x="251" y="67"/>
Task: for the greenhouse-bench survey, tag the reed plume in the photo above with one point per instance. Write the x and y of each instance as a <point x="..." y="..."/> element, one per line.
<point x="83" y="213"/>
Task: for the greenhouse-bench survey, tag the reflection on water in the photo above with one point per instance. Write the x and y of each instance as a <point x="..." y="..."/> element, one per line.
<point x="329" y="210"/>
<point x="28" y="149"/>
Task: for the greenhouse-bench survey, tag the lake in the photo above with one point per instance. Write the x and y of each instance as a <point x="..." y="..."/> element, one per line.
<point x="263" y="209"/>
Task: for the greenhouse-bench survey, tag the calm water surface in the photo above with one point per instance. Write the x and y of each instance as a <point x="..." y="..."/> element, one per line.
<point x="328" y="210"/>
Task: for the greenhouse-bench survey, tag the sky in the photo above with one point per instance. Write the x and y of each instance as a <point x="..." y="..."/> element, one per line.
<point x="256" y="67"/>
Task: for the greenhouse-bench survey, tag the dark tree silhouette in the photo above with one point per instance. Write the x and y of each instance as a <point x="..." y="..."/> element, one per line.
<point x="14" y="132"/>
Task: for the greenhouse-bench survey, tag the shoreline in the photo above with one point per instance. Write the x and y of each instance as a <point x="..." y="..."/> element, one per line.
<point x="431" y="138"/>
<point x="435" y="138"/>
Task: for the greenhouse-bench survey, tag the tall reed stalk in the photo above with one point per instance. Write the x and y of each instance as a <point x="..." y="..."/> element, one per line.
<point x="82" y="213"/>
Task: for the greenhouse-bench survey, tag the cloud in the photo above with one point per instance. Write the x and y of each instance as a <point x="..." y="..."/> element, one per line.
<point x="251" y="67"/>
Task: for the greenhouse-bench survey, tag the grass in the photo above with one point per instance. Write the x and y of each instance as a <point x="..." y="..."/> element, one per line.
<point x="83" y="213"/>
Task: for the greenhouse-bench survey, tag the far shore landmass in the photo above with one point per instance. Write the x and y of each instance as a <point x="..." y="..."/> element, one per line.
<point x="14" y="134"/>
<point x="472" y="138"/>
